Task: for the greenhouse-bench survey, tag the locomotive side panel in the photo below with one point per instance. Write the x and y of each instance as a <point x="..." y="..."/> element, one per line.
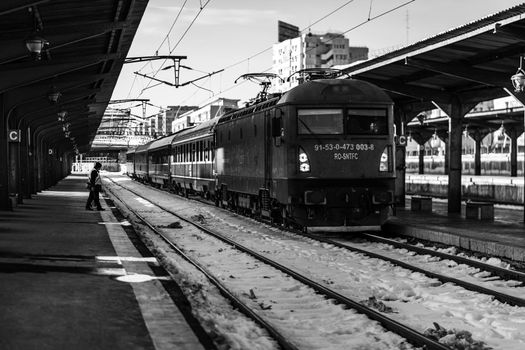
<point x="240" y="154"/>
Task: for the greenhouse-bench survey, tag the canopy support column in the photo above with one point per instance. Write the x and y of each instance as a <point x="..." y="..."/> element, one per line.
<point x="456" y="111"/>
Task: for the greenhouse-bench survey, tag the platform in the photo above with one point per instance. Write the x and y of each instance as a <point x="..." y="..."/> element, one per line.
<point x="503" y="237"/>
<point x="65" y="280"/>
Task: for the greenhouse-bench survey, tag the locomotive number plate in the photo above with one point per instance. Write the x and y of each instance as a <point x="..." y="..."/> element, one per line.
<point x="344" y="151"/>
<point x="344" y="147"/>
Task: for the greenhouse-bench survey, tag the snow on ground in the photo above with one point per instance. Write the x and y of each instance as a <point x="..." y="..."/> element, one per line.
<point x="435" y="264"/>
<point x="417" y="301"/>
<point x="296" y="310"/>
<point x="228" y="328"/>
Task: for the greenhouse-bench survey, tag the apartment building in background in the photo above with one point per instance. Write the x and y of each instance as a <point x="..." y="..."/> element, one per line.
<point x="211" y="110"/>
<point x="296" y="51"/>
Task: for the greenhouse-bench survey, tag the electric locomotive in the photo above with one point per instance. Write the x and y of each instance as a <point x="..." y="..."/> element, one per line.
<point x="321" y="156"/>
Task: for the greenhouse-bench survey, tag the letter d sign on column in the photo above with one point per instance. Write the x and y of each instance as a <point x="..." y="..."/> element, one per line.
<point x="13" y="135"/>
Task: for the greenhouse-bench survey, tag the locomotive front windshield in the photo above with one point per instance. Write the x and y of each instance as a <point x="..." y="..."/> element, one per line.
<point x="367" y="122"/>
<point x="320" y="121"/>
<point x="339" y="121"/>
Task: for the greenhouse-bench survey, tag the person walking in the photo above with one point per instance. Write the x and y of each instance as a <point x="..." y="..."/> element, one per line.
<point x="95" y="187"/>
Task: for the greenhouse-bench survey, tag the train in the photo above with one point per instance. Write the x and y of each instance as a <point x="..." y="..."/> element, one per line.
<point x="319" y="157"/>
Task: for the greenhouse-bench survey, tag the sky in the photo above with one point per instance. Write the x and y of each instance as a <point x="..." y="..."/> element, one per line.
<point x="237" y="36"/>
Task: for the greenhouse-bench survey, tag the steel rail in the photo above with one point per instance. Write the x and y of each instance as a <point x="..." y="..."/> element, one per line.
<point x="236" y="302"/>
<point x="499" y="271"/>
<point x="410" y="334"/>
<point x="505" y="298"/>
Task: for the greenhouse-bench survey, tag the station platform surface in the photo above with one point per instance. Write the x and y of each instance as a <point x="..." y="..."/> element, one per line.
<point x="65" y="279"/>
<point x="502" y="237"/>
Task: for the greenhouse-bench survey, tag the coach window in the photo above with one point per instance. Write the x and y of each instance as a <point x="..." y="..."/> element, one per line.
<point x="367" y="122"/>
<point x="240" y="133"/>
<point x="229" y="135"/>
<point x="197" y="151"/>
<point x="319" y="121"/>
<point x="254" y="130"/>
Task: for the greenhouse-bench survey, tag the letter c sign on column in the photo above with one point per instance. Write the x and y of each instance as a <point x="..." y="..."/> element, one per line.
<point x="13" y="135"/>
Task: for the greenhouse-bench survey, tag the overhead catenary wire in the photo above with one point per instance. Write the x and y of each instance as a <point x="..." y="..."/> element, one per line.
<point x="369" y="19"/>
<point x="302" y="30"/>
<point x="149" y="84"/>
<point x="179" y="41"/>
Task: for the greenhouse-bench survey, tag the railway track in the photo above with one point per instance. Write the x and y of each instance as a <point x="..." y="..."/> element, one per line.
<point x="506" y="274"/>
<point x="503" y="273"/>
<point x="503" y="297"/>
<point x="276" y="242"/>
<point x="258" y="302"/>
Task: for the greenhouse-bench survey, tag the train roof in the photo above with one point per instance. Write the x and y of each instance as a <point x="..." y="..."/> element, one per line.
<point x="336" y="91"/>
<point x="250" y="109"/>
<point x="143" y="148"/>
<point x="162" y="142"/>
<point x="203" y="128"/>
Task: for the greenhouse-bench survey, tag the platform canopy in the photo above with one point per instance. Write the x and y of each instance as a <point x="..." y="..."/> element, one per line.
<point x="78" y="49"/>
<point x="466" y="65"/>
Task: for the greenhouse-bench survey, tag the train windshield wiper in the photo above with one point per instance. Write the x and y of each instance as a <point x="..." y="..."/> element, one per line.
<point x="310" y="130"/>
<point x="306" y="126"/>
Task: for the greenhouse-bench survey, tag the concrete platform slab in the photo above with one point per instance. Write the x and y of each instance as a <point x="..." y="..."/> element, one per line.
<point x="59" y="288"/>
<point x="504" y="237"/>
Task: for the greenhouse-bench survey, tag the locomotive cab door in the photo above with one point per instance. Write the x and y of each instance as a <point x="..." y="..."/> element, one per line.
<point x="264" y="191"/>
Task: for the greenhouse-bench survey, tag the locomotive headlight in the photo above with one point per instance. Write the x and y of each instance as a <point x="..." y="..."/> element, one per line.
<point x="304" y="162"/>
<point x="303" y="158"/>
<point x="385" y="162"/>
